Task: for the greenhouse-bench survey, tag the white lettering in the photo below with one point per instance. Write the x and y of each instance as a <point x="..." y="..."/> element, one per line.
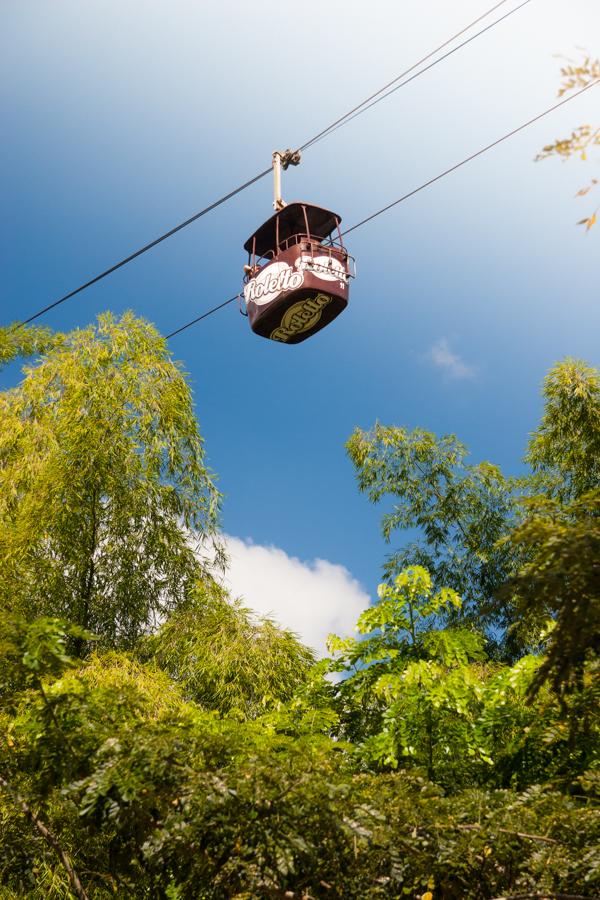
<point x="271" y="281"/>
<point x="327" y="268"/>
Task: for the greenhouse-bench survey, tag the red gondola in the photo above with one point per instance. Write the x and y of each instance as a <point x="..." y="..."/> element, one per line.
<point x="297" y="278"/>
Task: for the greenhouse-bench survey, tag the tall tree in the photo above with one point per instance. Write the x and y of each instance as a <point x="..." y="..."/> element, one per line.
<point x="559" y="536"/>
<point x="105" y="498"/>
<point x="560" y="585"/>
<point x="208" y="769"/>
<point x="564" y="451"/>
<point x="521" y="553"/>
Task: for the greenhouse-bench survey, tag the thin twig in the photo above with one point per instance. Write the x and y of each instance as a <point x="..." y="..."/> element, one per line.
<point x="521" y="834"/>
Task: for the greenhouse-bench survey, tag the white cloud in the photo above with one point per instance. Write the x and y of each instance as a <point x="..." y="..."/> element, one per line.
<point x="442" y="356"/>
<point x="313" y="598"/>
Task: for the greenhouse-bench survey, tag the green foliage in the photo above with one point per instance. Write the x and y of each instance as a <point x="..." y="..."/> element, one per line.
<point x="558" y="537"/>
<point x="461" y="512"/>
<point x="227" y="659"/>
<point x="24" y="340"/>
<point x="31" y="650"/>
<point x="102" y="484"/>
<point x="160" y="798"/>
<point x="565" y="449"/>
<point x="420" y="695"/>
<point x="561" y="583"/>
<point x="158" y="740"/>
<point x="482" y="533"/>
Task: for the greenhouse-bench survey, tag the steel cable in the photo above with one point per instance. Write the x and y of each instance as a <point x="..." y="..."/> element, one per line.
<point x="426" y="184"/>
<point x="355" y="111"/>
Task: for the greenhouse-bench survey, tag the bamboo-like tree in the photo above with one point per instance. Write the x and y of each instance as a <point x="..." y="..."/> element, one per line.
<point x="106" y="502"/>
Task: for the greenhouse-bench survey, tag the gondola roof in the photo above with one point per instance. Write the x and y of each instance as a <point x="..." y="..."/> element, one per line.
<point x="321" y="223"/>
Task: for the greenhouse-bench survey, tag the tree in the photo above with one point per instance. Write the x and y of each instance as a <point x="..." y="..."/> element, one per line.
<point x="24" y="340"/>
<point x="106" y="503"/>
<point x="505" y="545"/>
<point x="561" y="584"/>
<point x="226" y="658"/>
<point x="149" y="796"/>
<point x="558" y="536"/>
<point x="206" y="755"/>
<point x="419" y="694"/>
<point x="564" y="451"/>
<point x="460" y="510"/>
<point x="411" y="691"/>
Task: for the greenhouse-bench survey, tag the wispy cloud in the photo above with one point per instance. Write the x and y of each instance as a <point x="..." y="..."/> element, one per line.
<point x="311" y="598"/>
<point x="449" y="362"/>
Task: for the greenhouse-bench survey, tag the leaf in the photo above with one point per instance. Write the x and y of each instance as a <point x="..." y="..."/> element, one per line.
<point x="591" y="221"/>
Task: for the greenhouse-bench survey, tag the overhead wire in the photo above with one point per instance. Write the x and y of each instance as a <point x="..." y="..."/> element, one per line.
<point x="352" y="113"/>
<point x="358" y="111"/>
<point x="473" y="156"/>
<point x="375" y="98"/>
<point x="426" y="184"/>
<point x="146" y="247"/>
<point x="203" y="316"/>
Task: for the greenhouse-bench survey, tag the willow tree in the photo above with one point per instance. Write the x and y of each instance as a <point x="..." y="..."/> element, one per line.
<point x="19" y="340"/>
<point x="226" y="658"/>
<point x="105" y="497"/>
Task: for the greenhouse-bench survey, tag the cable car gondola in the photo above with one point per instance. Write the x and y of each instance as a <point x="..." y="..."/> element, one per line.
<point x="297" y="278"/>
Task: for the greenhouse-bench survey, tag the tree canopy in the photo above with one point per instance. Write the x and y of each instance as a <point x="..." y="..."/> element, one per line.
<point x="160" y="740"/>
<point x="105" y="497"/>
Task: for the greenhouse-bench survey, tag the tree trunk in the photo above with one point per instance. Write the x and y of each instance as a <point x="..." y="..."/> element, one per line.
<point x="50" y="839"/>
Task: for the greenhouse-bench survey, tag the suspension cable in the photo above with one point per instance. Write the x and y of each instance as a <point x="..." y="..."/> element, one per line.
<point x="376" y="98"/>
<point x="463" y="162"/>
<point x="357" y="110"/>
<point x="145" y="248"/>
<point x="422" y="187"/>
<point x="203" y="316"/>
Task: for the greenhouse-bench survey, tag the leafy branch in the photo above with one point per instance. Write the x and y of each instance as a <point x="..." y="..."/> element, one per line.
<point x="583" y="138"/>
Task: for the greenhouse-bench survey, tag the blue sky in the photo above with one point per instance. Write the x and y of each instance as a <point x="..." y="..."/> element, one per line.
<point x="121" y="119"/>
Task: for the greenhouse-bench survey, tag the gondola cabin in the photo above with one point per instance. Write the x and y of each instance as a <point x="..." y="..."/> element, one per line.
<point x="297" y="278"/>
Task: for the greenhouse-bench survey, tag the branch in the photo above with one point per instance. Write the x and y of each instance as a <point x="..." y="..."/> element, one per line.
<point x="285" y="895"/>
<point x="441" y="499"/>
<point x="542" y="897"/>
<point x="521" y="834"/>
<point x="50" y="839"/>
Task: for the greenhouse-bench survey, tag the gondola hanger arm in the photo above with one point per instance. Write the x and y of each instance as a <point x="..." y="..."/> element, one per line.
<point x="281" y="160"/>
